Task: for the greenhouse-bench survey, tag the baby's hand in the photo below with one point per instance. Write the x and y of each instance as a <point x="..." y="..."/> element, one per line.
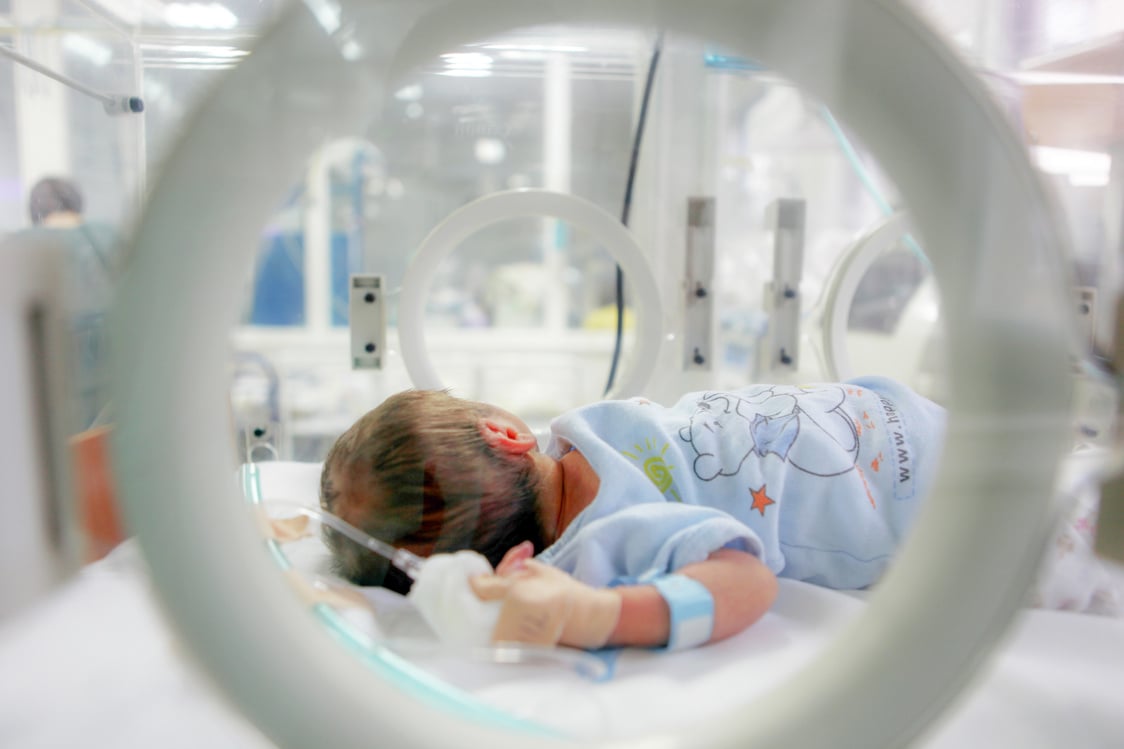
<point x="545" y="606"/>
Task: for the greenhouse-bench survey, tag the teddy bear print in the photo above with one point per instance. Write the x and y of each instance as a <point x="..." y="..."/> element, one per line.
<point x="806" y="427"/>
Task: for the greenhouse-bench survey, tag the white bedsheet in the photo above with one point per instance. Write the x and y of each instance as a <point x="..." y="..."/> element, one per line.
<point x="96" y="666"/>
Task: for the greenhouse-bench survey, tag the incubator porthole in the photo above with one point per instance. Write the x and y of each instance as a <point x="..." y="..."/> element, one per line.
<point x="879" y="309"/>
<point x="534" y="279"/>
<point x="904" y="328"/>
<point x="572" y="312"/>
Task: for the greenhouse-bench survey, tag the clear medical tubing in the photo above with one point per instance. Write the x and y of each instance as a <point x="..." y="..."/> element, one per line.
<point x="582" y="663"/>
<point x="388" y="663"/>
<point x="409" y="563"/>
<point x="978" y="210"/>
<point x="403" y="559"/>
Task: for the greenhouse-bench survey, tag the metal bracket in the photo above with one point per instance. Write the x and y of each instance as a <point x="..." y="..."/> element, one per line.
<point x="367" y="320"/>
<point x="698" y="301"/>
<point x="1109" y="539"/>
<point x="781" y="348"/>
<point x="1086" y="301"/>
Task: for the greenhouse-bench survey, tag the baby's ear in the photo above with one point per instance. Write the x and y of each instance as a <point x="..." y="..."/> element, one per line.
<point x="505" y="437"/>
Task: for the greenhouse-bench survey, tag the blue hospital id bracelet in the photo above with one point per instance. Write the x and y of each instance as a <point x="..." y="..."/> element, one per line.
<point x="692" y="610"/>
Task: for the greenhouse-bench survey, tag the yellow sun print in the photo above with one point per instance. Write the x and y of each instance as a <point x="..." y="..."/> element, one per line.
<point x="655" y="467"/>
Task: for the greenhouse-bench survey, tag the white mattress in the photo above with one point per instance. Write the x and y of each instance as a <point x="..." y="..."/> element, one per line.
<point x="96" y="666"/>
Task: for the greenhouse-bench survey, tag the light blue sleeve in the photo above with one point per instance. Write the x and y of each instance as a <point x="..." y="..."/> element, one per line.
<point x="651" y="538"/>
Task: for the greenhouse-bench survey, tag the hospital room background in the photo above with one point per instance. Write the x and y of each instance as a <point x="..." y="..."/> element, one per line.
<point x="538" y="217"/>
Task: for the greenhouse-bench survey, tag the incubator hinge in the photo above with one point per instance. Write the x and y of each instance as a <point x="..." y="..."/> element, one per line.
<point x="780" y="349"/>
<point x="1109" y="539"/>
<point x="367" y="321"/>
<point x="698" y="300"/>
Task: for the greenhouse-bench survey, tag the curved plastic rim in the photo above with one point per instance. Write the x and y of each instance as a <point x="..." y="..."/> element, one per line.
<point x="490" y="209"/>
<point x="986" y="226"/>
<point x="841" y="293"/>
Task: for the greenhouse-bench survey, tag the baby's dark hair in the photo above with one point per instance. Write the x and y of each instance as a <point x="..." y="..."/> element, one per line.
<point x="416" y="472"/>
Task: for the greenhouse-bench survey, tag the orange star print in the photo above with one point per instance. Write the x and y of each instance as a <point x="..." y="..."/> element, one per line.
<point x="760" y="500"/>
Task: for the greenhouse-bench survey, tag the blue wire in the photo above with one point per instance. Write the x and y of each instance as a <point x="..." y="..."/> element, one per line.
<point x="626" y="210"/>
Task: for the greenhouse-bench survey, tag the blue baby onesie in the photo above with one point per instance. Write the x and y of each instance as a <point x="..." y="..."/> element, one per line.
<point x="819" y="481"/>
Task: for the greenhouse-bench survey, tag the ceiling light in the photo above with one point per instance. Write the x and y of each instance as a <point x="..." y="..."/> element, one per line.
<point x="1071" y="161"/>
<point x="200" y="16"/>
<point x="94" y="51"/>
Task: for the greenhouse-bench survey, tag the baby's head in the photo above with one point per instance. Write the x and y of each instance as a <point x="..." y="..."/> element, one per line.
<point x="422" y="471"/>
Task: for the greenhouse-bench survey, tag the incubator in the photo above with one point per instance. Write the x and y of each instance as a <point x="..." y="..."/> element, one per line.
<point x="311" y="206"/>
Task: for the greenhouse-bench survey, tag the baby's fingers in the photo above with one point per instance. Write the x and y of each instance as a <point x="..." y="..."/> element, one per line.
<point x="532" y="613"/>
<point x="490" y="587"/>
<point x="515" y="558"/>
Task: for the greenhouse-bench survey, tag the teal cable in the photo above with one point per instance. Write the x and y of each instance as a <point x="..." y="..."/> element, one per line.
<point x="867" y="181"/>
<point x="405" y="675"/>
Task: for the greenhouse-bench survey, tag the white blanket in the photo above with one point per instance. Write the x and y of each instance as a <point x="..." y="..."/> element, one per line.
<point x="96" y="665"/>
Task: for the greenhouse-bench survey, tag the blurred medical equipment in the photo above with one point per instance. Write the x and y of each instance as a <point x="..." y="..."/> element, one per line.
<point x="113" y="104"/>
<point x="39" y="536"/>
<point x="255" y="402"/>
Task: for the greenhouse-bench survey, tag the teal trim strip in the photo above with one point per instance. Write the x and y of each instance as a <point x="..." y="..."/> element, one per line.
<point x="421" y="684"/>
<point x="395" y="669"/>
<point x="867" y="181"/>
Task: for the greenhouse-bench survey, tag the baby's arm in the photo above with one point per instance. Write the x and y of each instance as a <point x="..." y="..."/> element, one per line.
<point x="545" y="606"/>
<point x="742" y="587"/>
